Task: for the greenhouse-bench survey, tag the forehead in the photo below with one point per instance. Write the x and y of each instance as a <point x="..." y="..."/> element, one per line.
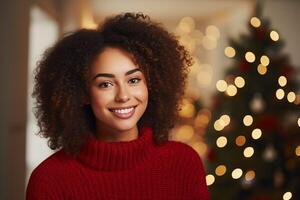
<point x="113" y="60"/>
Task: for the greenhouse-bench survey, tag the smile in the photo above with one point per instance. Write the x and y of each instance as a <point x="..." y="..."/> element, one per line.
<point x="123" y="113"/>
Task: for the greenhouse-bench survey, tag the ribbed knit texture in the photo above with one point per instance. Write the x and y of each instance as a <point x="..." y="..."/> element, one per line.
<point x="130" y="170"/>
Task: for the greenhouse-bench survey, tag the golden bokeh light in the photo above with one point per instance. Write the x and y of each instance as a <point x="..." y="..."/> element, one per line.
<point x="221" y="141"/>
<point x="229" y="52"/>
<point x="200" y="148"/>
<point x="274" y="35"/>
<point x="299" y="121"/>
<point x="220" y="170"/>
<point x="184" y="133"/>
<point x="261" y="69"/>
<point x="237" y="173"/>
<point x="282" y="81"/>
<point x="239" y="82"/>
<point x="201" y="120"/>
<point x="264" y="60"/>
<point x="248" y="120"/>
<point x="225" y="119"/>
<point x="279" y="94"/>
<point x="255" y="22"/>
<point x="250" y="175"/>
<point x="240" y="140"/>
<point x="213" y="31"/>
<point x="248" y="152"/>
<point x="291" y="97"/>
<point x="187" y="24"/>
<point x="297" y="150"/>
<point x="231" y="90"/>
<point x="287" y="196"/>
<point x="209" y="42"/>
<point x="256" y="133"/>
<point x="250" y="57"/>
<point x="219" y="125"/>
<point x="210" y="179"/>
<point x="221" y="85"/>
<point x="187" y="110"/>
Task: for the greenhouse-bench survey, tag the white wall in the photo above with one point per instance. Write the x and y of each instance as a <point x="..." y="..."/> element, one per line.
<point x="284" y="17"/>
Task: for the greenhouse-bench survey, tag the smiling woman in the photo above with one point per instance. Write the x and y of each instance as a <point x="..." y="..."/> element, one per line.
<point x="118" y="95"/>
<point x="106" y="99"/>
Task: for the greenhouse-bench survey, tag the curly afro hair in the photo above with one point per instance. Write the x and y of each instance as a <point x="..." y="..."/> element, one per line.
<point x="61" y="78"/>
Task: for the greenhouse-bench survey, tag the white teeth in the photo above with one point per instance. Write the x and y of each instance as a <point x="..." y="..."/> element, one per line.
<point x="128" y="110"/>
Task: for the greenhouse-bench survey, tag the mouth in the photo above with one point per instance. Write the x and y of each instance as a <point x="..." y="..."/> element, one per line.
<point x="123" y="113"/>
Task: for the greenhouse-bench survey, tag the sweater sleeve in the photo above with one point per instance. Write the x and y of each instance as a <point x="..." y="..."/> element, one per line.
<point x="40" y="187"/>
<point x="197" y="183"/>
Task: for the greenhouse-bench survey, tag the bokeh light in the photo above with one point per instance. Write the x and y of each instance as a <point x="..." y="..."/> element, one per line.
<point x="237" y="173"/>
<point x="210" y="179"/>
<point x="229" y="52"/>
<point x="287" y="196"/>
<point x="274" y="35"/>
<point x="221" y="85"/>
<point x="221" y="141"/>
<point x="282" y="81"/>
<point x="250" y="175"/>
<point x="248" y="152"/>
<point x="291" y="97"/>
<point x="240" y="140"/>
<point x="239" y="82"/>
<point x="231" y="90"/>
<point x="279" y="94"/>
<point x="261" y="69"/>
<point x="256" y="133"/>
<point x="255" y="22"/>
<point x="220" y="170"/>
<point x="250" y="57"/>
<point x="248" y="120"/>
<point x="264" y="60"/>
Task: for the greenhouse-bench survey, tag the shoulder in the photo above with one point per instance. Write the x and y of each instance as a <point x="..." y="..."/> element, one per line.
<point x="54" y="162"/>
<point x="52" y="167"/>
<point x="180" y="148"/>
<point x="183" y="153"/>
<point x="43" y="179"/>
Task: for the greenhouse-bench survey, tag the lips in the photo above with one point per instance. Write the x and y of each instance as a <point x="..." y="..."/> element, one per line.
<point x="123" y="113"/>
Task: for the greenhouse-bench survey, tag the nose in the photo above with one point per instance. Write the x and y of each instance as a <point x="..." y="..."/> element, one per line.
<point x="122" y="94"/>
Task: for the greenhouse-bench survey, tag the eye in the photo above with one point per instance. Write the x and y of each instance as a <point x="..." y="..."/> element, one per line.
<point x="135" y="80"/>
<point x="104" y="84"/>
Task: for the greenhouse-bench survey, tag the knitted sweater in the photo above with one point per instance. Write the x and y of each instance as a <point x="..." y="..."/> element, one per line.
<point x="136" y="169"/>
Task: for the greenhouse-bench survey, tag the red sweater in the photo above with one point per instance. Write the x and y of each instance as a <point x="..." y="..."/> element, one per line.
<point x="130" y="170"/>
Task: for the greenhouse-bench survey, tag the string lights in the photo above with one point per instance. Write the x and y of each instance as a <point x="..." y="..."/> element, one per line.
<point x="248" y="120"/>
<point x="250" y="57"/>
<point x="274" y="36"/>
<point x="256" y="133"/>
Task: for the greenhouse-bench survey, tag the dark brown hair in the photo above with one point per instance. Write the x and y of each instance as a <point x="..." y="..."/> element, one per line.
<point x="61" y="78"/>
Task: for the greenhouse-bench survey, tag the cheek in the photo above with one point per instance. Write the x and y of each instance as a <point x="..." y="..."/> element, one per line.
<point x="99" y="100"/>
<point x="142" y="93"/>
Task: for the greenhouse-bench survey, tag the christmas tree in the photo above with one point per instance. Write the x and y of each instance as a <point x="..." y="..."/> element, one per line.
<point x="254" y="134"/>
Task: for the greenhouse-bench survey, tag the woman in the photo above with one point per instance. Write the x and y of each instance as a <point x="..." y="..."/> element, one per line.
<point x="106" y="99"/>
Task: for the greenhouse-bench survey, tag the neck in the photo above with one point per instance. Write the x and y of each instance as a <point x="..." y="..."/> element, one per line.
<point x="109" y="135"/>
<point x="110" y="156"/>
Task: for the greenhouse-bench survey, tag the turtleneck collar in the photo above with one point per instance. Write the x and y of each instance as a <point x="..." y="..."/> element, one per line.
<point x="115" y="156"/>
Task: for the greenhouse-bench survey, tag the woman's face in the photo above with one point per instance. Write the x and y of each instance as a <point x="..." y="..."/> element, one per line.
<point x="118" y="91"/>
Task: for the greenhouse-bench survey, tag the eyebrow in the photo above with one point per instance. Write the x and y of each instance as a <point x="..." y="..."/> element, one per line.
<point x="113" y="76"/>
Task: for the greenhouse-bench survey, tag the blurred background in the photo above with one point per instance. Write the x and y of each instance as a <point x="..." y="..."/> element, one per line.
<point x="241" y="111"/>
